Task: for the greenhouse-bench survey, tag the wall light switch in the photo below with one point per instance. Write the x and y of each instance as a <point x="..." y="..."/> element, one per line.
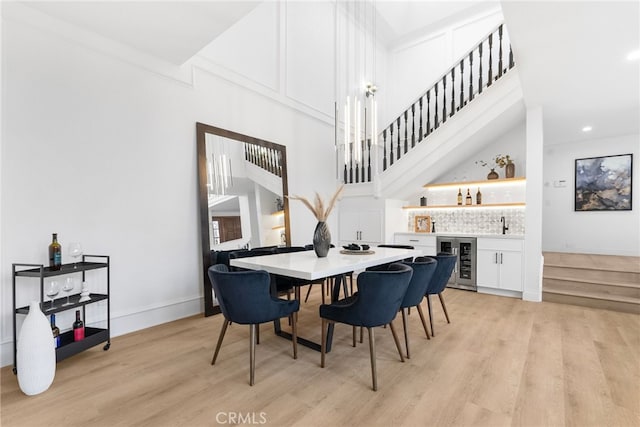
<point x="560" y="183"/>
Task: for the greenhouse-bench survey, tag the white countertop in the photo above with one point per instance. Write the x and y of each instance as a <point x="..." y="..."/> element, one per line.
<point x="476" y="235"/>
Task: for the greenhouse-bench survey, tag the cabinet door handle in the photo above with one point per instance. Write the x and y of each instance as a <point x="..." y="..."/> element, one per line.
<point x="414" y="240"/>
<point x="500" y="257"/>
<point x="496" y="257"/>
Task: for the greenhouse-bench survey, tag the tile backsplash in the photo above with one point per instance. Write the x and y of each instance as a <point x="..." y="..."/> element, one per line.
<point x="472" y="221"/>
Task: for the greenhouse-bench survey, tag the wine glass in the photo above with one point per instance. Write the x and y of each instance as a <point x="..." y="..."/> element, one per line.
<point x="75" y="251"/>
<point x="69" y="284"/>
<point x="53" y="288"/>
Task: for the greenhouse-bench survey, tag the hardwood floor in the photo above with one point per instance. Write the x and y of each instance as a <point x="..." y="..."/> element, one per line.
<point x="500" y="362"/>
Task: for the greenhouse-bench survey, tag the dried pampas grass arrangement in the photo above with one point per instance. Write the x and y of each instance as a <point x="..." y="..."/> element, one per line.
<point x="318" y="207"/>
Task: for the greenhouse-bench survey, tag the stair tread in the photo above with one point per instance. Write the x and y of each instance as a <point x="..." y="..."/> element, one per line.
<point x="597" y="282"/>
<point x="590" y="267"/>
<point x="593" y="295"/>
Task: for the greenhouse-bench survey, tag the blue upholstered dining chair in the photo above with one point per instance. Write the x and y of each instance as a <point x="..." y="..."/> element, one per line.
<point x="446" y="264"/>
<point x="376" y="303"/>
<point x="423" y="270"/>
<point x="245" y="298"/>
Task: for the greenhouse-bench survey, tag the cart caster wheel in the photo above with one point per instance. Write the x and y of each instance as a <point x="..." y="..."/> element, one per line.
<point x="106" y="346"/>
<point x="15" y="371"/>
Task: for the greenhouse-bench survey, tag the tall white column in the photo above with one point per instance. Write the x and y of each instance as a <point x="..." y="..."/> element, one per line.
<point x="533" y="220"/>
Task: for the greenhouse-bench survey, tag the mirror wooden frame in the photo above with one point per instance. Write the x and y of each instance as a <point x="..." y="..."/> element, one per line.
<point x="201" y="131"/>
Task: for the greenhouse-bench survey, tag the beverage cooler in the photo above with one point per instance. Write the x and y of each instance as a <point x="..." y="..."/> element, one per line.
<point x="464" y="272"/>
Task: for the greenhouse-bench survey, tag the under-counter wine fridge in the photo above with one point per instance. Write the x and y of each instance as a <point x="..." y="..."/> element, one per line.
<point x="464" y="272"/>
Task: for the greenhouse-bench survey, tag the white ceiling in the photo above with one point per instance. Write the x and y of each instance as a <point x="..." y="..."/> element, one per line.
<point x="170" y="30"/>
<point x="571" y="56"/>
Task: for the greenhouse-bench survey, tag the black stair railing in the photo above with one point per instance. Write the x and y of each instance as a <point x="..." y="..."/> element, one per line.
<point x="264" y="157"/>
<point x="478" y="69"/>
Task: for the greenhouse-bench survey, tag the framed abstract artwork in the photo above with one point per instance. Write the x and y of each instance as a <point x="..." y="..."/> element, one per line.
<point x="422" y="224"/>
<point x="604" y="183"/>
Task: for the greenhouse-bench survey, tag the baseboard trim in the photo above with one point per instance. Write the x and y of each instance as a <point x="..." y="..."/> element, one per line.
<point x="499" y="292"/>
<point x="131" y="322"/>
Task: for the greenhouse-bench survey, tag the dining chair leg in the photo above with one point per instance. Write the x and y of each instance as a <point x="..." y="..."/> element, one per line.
<point x="353" y="328"/>
<point x="225" y="323"/>
<point x="444" y="307"/>
<point x="361" y="338"/>
<point x="406" y="333"/>
<point x="294" y="334"/>
<point x="396" y="340"/>
<point x="258" y="333"/>
<point x="252" y="353"/>
<point x="372" y="353"/>
<point x="430" y="314"/>
<point x="325" y="285"/>
<point x="424" y="324"/>
<point x="323" y="342"/>
<point x="308" y="292"/>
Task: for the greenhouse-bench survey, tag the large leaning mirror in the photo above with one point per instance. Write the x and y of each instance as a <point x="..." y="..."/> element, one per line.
<point x="242" y="189"/>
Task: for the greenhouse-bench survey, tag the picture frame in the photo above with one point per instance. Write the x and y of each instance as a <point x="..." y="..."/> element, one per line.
<point x="422" y="224"/>
<point x="604" y="183"/>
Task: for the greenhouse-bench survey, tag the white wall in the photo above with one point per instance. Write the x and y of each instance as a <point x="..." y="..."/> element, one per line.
<point x="602" y="232"/>
<point x="101" y="149"/>
<point x="414" y="67"/>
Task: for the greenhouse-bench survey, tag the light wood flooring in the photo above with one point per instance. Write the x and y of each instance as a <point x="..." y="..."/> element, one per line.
<point x="501" y="362"/>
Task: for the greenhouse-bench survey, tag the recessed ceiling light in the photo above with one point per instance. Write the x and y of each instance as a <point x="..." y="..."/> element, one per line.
<point x="587" y="129"/>
<point x="634" y="55"/>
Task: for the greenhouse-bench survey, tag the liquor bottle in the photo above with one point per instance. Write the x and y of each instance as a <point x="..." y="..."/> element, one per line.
<point x="78" y="328"/>
<point x="55" y="330"/>
<point x="468" y="200"/>
<point x="478" y="197"/>
<point x="459" y="197"/>
<point x="55" y="253"/>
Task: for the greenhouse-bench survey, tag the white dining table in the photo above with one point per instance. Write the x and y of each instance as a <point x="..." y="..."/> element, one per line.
<point x="306" y="265"/>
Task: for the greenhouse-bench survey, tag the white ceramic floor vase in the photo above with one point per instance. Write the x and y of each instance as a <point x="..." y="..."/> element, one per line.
<point x="36" y="353"/>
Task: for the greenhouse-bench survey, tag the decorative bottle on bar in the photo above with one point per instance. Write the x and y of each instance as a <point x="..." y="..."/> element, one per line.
<point x="78" y="328"/>
<point x="478" y="197"/>
<point x="55" y="253"/>
<point x="459" y="197"/>
<point x="468" y="200"/>
<point x="55" y="330"/>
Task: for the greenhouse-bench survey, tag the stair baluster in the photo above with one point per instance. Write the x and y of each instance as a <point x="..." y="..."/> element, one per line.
<point x="444" y="98"/>
<point x="384" y="150"/>
<point x="420" y="128"/>
<point x="462" y="101"/>
<point x="490" y="75"/>
<point x="398" y="153"/>
<point x="435" y="118"/>
<point x="453" y="92"/>
<point x="480" y="68"/>
<point x="499" y="53"/>
<point x="470" y="76"/>
<point x="406" y="127"/>
<point x="391" y="144"/>
<point x="428" y="112"/>
<point x="413" y="125"/>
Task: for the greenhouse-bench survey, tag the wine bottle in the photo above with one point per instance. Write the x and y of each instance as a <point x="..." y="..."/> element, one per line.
<point x="459" y="197"/>
<point x="56" y="331"/>
<point x="478" y="197"/>
<point x="78" y="328"/>
<point x="468" y="200"/>
<point x="55" y="253"/>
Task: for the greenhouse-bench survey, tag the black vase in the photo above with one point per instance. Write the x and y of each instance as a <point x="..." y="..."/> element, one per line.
<point x="321" y="239"/>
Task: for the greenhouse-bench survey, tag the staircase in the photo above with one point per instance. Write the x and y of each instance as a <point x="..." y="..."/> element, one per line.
<point x="600" y="281"/>
<point x="475" y="101"/>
